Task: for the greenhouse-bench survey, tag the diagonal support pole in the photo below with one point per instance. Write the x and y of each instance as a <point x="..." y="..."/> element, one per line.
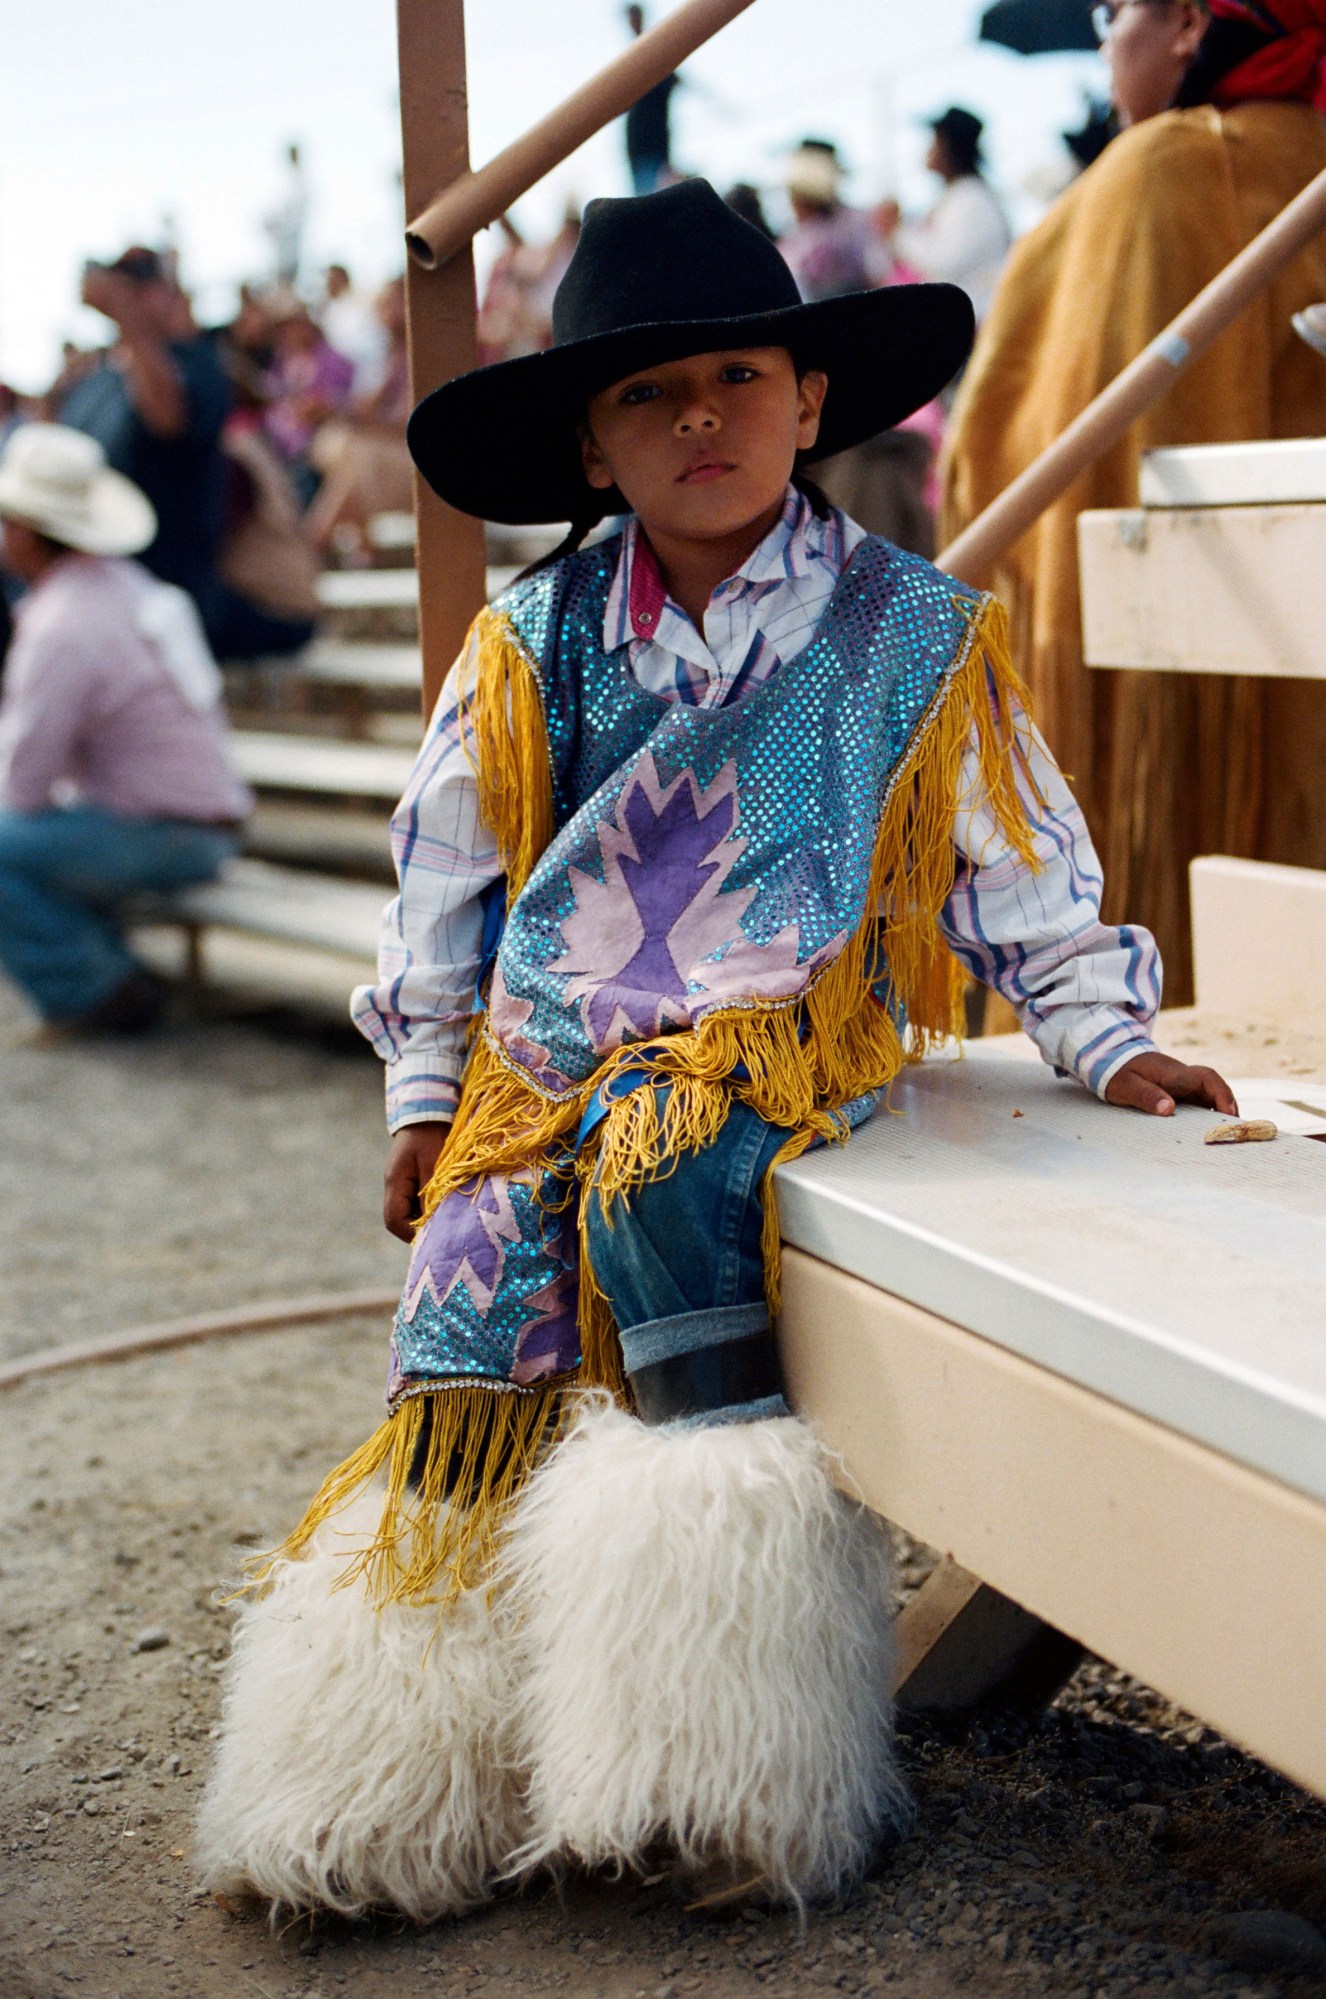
<point x="469" y="203"/>
<point x="1132" y="392"/>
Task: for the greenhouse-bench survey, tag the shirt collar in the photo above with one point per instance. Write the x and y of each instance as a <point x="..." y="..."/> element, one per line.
<point x="638" y="595"/>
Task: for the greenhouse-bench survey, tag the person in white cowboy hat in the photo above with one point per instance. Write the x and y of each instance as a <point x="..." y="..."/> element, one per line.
<point x="831" y="248"/>
<point x="114" y="774"/>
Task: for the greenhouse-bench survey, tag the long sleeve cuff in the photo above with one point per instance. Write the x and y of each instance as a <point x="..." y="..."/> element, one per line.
<point x="1089" y="1042"/>
<point x="423" y="1087"/>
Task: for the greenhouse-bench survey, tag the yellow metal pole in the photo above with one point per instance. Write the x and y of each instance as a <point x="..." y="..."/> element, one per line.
<point x="440" y="314"/>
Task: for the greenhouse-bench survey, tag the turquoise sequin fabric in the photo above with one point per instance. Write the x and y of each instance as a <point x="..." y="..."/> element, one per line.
<point x="707" y="857"/>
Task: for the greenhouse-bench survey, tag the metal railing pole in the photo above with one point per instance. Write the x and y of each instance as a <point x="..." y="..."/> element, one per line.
<point x="473" y="200"/>
<point x="440" y="316"/>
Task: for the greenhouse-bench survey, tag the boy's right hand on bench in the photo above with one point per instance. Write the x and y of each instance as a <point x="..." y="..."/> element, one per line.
<point x="414" y="1153"/>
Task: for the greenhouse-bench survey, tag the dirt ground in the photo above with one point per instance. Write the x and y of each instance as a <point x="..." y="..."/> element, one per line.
<point x="227" y="1160"/>
<point x="1109" y="1846"/>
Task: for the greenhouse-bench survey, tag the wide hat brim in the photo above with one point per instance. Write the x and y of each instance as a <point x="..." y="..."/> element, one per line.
<point x="501" y="443"/>
<point x="111" y="517"/>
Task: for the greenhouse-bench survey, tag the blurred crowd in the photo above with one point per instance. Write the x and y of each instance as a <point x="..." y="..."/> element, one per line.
<point x="269" y="443"/>
<point x="265" y="444"/>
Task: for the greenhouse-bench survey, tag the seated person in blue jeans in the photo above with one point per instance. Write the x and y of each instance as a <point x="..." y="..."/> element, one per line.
<point x="114" y="772"/>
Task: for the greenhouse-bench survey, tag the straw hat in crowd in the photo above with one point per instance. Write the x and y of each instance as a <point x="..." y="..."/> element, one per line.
<point x="57" y="480"/>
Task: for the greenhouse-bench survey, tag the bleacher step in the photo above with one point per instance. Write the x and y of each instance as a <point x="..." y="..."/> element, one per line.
<point x="390" y="589"/>
<point x="379" y="668"/>
<point x="282" y="903"/>
<point x="1272" y="472"/>
<point x="316" y="835"/>
<point x="270" y="761"/>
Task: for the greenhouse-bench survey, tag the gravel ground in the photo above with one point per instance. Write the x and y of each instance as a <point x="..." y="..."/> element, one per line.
<point x="1109" y="1846"/>
<point x="229" y="1159"/>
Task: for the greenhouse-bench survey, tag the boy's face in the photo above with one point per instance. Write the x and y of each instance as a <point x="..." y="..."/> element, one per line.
<point x="702" y="447"/>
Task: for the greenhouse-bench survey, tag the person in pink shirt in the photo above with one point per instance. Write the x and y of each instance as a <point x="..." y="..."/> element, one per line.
<point x="115" y="778"/>
<point x="309" y="382"/>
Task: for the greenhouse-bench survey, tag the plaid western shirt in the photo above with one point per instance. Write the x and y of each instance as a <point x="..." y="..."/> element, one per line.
<point x="1086" y="992"/>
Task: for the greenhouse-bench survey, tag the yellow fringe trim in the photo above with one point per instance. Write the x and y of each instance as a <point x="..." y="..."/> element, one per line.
<point x="754" y="1053"/>
<point x="507" y="743"/>
<point x="481" y="1441"/>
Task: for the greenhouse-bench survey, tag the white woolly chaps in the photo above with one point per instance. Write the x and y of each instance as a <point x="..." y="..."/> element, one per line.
<point x="704" y="1631"/>
<point x="366" y="1755"/>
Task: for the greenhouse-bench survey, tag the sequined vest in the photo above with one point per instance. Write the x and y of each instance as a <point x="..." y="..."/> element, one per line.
<point x="707" y="858"/>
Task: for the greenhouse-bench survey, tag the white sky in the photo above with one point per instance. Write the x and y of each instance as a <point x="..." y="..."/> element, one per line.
<point x="119" y="112"/>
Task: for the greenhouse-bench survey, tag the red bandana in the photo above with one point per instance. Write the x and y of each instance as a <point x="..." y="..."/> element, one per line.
<point x="1293" y="64"/>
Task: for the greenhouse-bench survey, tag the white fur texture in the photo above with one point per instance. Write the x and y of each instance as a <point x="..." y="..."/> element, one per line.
<point x="705" y="1631"/>
<point x="365" y="1757"/>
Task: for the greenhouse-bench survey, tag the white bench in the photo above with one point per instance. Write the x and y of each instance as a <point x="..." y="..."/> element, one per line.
<point x="375" y="668"/>
<point x="1213" y="573"/>
<point x="1085" y="1354"/>
<point x="323" y="836"/>
<point x="1278" y="915"/>
<point x="390" y="532"/>
<point x="289" y="933"/>
<point x="368" y="590"/>
<point x="286" y="905"/>
<point x="322" y="804"/>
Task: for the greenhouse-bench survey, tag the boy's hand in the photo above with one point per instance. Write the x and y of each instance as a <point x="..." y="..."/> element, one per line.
<point x="414" y="1153"/>
<point x="1155" y="1083"/>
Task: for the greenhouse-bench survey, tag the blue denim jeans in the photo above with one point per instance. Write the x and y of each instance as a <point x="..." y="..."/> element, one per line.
<point x="64" y="874"/>
<point x="680" y="1262"/>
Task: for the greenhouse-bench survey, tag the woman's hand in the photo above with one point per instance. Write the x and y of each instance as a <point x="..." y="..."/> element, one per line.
<point x="1155" y="1083"/>
<point x="414" y="1153"/>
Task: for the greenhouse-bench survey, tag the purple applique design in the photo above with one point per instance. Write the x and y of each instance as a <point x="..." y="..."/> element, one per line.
<point x="659" y="940"/>
<point x="464" y="1242"/>
<point x="550" y="1343"/>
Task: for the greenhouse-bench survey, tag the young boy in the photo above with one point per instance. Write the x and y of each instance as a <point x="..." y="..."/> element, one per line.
<point x="710" y="817"/>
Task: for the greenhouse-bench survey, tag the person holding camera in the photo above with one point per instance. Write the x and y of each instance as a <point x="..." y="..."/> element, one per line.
<point x="156" y="405"/>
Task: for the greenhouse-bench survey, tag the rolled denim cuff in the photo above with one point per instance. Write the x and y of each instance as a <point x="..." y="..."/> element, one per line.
<point x="700" y="1368"/>
<point x="688" y="1332"/>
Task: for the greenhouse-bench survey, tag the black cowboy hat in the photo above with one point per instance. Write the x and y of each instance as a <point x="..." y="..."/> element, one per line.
<point x="961" y="132"/>
<point x="654" y="279"/>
